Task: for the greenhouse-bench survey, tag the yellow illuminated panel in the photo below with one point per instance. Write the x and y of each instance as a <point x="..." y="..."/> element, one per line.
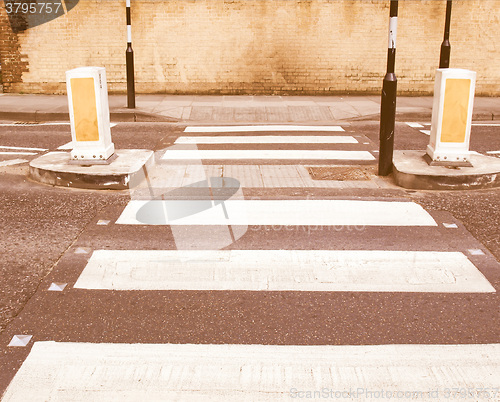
<point x="455" y="110"/>
<point x="84" y="109"/>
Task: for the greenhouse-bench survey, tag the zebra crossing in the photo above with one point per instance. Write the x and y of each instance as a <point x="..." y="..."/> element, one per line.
<point x="309" y="146"/>
<point x="260" y="372"/>
<point x="267" y="157"/>
<point x="205" y="293"/>
<point x="283" y="270"/>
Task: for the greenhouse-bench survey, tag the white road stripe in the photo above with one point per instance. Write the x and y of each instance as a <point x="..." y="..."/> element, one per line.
<point x="18" y="153"/>
<point x="268" y="139"/>
<point x="418" y="125"/>
<point x="246" y="129"/>
<point x="13" y="162"/>
<point x="275" y="212"/>
<point x="187" y="154"/>
<point x="493" y="152"/>
<point x="283" y="270"/>
<point x="67" y="146"/>
<point x="426" y="132"/>
<point x="188" y="372"/>
<point x="415" y="125"/>
<point x="42" y="124"/>
<point x="34" y="124"/>
<point x="24" y="148"/>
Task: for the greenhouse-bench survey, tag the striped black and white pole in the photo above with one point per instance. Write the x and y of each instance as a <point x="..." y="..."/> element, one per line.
<point x="444" y="58"/>
<point x="129" y="54"/>
<point x="388" y="103"/>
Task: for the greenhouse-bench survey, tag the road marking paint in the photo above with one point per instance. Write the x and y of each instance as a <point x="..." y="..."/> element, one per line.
<point x="246" y="129"/>
<point x="34" y="124"/>
<point x="13" y="162"/>
<point x="283" y="270"/>
<point x="18" y="153"/>
<point x="102" y="222"/>
<point x="185" y="154"/>
<point x="24" y="148"/>
<point x="486" y="124"/>
<point x="415" y="125"/>
<point x="42" y="124"/>
<point x="493" y="152"/>
<point x="476" y="252"/>
<point x="275" y="212"/>
<point x="450" y="225"/>
<point x="426" y="132"/>
<point x="268" y="139"/>
<point x="67" y="146"/>
<point x="110" y="371"/>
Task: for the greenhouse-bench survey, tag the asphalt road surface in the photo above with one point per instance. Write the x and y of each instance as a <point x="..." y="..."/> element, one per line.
<point x="265" y="285"/>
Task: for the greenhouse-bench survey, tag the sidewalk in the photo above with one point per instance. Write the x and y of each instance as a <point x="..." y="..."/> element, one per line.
<point x="235" y="109"/>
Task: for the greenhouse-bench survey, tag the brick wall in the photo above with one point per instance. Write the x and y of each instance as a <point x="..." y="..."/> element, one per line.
<point x="255" y="46"/>
<point x="14" y="63"/>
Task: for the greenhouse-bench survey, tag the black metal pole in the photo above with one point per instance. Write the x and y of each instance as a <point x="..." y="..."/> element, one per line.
<point x="388" y="103"/>
<point x="444" y="58"/>
<point x="129" y="59"/>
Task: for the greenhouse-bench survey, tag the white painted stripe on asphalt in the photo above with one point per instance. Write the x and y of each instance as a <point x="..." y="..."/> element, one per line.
<point x="24" y="148"/>
<point x="283" y="270"/>
<point x="18" y="153"/>
<point x="67" y="146"/>
<point x="268" y="139"/>
<point x="232" y="372"/>
<point x="426" y="132"/>
<point x="275" y="212"/>
<point x="42" y="124"/>
<point x="486" y="124"/>
<point x="188" y="154"/>
<point x="34" y="124"/>
<point x="493" y="152"/>
<point x="415" y="125"/>
<point x="13" y="162"/>
<point x="246" y="129"/>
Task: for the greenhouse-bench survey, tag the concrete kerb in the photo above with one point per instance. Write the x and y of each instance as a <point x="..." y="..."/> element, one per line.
<point x="127" y="115"/>
<point x="122" y="116"/>
<point x="412" y="172"/>
<point x="54" y="169"/>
